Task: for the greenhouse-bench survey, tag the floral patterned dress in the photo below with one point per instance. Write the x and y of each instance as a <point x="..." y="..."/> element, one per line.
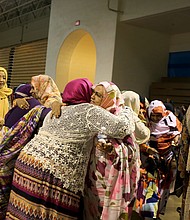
<point x="112" y="181"/>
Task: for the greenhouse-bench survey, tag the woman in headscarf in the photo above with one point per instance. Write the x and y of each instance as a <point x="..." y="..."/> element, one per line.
<point x="148" y="184"/>
<point x="23" y="127"/>
<point x="164" y="126"/>
<point x="132" y="100"/>
<point x="46" y="92"/>
<point x="165" y="131"/>
<point x="5" y="92"/>
<point x="113" y="172"/>
<point x="14" y="114"/>
<point x="50" y="171"/>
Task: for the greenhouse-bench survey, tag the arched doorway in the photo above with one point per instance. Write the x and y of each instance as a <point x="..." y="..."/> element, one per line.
<point x="76" y="59"/>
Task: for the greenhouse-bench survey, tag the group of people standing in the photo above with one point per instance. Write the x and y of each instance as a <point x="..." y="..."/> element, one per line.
<point x="91" y="152"/>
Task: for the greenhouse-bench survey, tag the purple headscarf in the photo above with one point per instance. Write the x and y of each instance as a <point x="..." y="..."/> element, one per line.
<point x="77" y="91"/>
<point x="23" y="90"/>
<point x="14" y="114"/>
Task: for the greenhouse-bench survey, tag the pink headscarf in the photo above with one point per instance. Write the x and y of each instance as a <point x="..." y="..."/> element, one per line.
<point x="77" y="91"/>
<point x="112" y="99"/>
<point x="46" y="88"/>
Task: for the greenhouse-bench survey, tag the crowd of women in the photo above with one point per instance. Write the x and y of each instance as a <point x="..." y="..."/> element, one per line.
<point x="90" y="152"/>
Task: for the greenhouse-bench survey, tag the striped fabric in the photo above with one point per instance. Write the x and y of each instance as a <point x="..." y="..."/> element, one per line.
<point x="37" y="194"/>
<point x="13" y="142"/>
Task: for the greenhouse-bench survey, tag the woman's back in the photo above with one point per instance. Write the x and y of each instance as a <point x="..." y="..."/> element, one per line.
<point x="66" y="143"/>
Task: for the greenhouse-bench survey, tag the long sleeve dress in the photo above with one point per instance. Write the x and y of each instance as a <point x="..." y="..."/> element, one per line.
<point x="50" y="171"/>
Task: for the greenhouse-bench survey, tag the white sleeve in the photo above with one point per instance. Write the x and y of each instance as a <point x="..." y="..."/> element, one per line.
<point x="115" y="126"/>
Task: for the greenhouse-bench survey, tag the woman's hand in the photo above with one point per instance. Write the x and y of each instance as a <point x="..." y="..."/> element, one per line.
<point x="21" y="103"/>
<point x="56" y="109"/>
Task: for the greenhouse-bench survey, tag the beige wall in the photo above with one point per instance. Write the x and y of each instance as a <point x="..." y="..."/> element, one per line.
<point x="141" y="57"/>
<point x="140" y="8"/>
<point x="180" y="42"/>
<point x="96" y="19"/>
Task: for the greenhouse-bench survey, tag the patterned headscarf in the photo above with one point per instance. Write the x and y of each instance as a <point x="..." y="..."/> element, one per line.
<point x="157" y="106"/>
<point x="4" y="93"/>
<point x="132" y="100"/>
<point x="168" y="121"/>
<point x="77" y="91"/>
<point x="112" y="99"/>
<point x="47" y="90"/>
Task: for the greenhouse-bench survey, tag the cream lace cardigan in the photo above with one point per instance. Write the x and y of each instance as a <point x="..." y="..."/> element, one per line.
<point x="63" y="145"/>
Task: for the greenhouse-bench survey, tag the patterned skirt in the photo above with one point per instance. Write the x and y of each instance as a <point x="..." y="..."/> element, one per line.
<point x="38" y="195"/>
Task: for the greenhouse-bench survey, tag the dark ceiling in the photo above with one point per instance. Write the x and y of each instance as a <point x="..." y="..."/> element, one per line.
<point x="15" y="13"/>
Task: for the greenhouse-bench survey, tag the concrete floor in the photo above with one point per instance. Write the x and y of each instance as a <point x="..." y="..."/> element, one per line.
<point x="171" y="212"/>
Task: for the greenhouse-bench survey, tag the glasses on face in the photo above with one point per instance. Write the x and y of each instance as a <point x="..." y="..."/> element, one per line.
<point x="97" y="94"/>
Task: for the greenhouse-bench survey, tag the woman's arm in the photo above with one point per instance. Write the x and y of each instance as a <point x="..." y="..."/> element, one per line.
<point x="142" y="132"/>
<point x="115" y="126"/>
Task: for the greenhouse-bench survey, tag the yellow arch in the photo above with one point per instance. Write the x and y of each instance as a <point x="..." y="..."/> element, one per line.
<point x="76" y="59"/>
